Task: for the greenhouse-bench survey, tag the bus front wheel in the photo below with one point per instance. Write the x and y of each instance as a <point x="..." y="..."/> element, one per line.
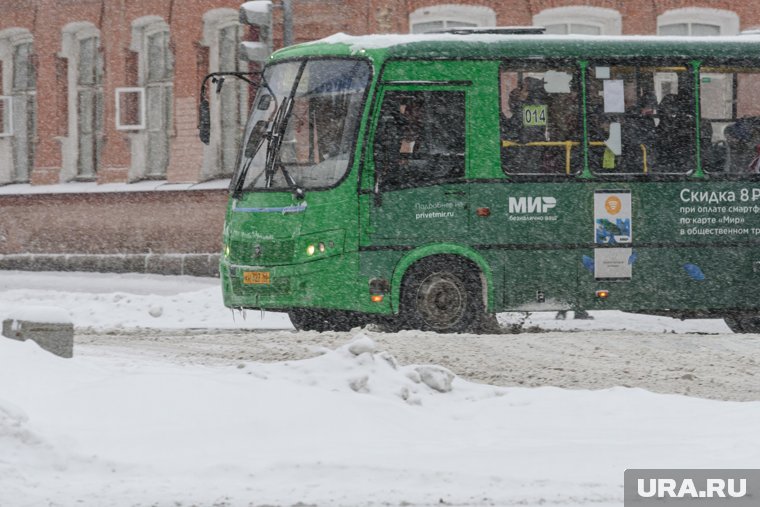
<point x="442" y="294"/>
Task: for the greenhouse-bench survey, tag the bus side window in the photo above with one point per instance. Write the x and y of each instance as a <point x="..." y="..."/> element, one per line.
<point x="420" y="138"/>
<point x="730" y="119"/>
<point x="540" y="120"/>
<point x="657" y="135"/>
<point x="674" y="144"/>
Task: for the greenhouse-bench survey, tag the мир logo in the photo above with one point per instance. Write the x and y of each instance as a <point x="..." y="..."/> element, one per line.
<point x="519" y="205"/>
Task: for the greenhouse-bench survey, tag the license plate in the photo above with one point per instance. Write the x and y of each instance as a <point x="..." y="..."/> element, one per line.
<point x="256" y="277"/>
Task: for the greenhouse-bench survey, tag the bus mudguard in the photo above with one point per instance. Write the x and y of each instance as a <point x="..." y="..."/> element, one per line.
<point x="424" y="251"/>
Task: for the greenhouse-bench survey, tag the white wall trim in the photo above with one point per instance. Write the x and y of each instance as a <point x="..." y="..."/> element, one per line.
<point x="214" y="20"/>
<point x="142" y="25"/>
<point x="9" y="39"/>
<point x="71" y="34"/>
<point x="475" y="14"/>
<point x="728" y="21"/>
<point x="609" y="21"/>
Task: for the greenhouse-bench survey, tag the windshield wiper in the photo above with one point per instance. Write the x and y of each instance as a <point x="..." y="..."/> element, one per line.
<point x="264" y="136"/>
<point x="273" y="149"/>
<point x="297" y="191"/>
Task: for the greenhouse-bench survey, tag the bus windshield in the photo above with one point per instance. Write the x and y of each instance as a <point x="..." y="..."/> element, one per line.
<point x="303" y="126"/>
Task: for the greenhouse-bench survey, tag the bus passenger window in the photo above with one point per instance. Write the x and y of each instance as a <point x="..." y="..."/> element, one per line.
<point x="730" y="119"/>
<point x="540" y="120"/>
<point x="652" y="105"/>
<point x="420" y="138"/>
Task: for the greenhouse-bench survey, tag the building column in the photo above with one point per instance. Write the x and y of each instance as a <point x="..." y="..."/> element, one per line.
<point x="115" y="33"/>
<point x="186" y="155"/>
<point x="52" y="110"/>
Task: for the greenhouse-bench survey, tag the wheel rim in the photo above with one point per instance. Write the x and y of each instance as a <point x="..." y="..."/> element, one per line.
<point x="441" y="300"/>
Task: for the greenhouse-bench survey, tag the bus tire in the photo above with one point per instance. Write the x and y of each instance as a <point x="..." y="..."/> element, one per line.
<point x="442" y="294"/>
<point x="743" y="323"/>
<point x="309" y="319"/>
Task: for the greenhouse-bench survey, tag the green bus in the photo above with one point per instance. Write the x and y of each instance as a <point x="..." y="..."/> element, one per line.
<point x="429" y="181"/>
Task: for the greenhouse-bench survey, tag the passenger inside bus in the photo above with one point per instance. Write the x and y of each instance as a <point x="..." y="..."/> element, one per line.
<point x="621" y="95"/>
<point x="540" y="122"/>
<point x="638" y="128"/>
<point x="674" y="131"/>
<point x="741" y="138"/>
<point x="565" y="127"/>
<point x="526" y="124"/>
<point x="420" y="137"/>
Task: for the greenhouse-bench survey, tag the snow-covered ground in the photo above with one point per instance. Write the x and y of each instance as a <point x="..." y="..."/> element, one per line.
<point x="349" y="426"/>
<point x="106" y="302"/>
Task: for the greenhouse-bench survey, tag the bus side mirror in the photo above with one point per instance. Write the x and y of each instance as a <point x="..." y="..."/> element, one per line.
<point x="204" y="121"/>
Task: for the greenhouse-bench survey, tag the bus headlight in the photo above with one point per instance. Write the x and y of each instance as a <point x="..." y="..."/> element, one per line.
<point x="310" y="250"/>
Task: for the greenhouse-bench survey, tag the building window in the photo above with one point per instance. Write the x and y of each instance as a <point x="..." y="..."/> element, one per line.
<point x="18" y="81"/>
<point x="155" y="73"/>
<point x="83" y="144"/>
<point x="698" y="21"/>
<point x="581" y="20"/>
<point x="445" y="16"/>
<point x="222" y="35"/>
<point x="89" y="107"/>
<point x="24" y="110"/>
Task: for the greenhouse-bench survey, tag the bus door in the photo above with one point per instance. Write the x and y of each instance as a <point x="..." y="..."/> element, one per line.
<point x="419" y="154"/>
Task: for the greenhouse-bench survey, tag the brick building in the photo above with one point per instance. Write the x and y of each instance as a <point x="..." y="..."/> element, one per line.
<point x="91" y="181"/>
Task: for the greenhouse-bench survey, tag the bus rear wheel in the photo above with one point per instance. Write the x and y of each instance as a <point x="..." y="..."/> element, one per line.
<point x="743" y="323"/>
<point x="308" y="319"/>
<point x="442" y="295"/>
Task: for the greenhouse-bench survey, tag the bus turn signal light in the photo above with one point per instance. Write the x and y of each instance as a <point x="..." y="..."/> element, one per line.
<point x="483" y="212"/>
<point x="378" y="287"/>
<point x="602" y="294"/>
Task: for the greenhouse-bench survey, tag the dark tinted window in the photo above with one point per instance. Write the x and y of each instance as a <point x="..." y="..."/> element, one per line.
<point x="420" y="138"/>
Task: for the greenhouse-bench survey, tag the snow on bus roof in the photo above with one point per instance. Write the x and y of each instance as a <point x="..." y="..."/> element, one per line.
<point x="385" y="41"/>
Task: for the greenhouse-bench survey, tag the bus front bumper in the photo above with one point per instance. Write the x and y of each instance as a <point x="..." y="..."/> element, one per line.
<point x="319" y="284"/>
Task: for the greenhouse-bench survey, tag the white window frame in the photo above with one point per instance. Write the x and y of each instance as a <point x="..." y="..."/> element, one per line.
<point x="727" y="21"/>
<point x="609" y="21"/>
<point x="214" y="21"/>
<point x="8" y="108"/>
<point x="142" y="29"/>
<point x="447" y="13"/>
<point x="10" y="38"/>
<point x="71" y="35"/>
<point x="141" y="102"/>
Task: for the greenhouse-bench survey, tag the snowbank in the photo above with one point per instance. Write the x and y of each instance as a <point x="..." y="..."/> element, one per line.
<point x="350" y="427"/>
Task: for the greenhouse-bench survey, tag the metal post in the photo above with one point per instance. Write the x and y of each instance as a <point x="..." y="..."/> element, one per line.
<point x="287" y="22"/>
